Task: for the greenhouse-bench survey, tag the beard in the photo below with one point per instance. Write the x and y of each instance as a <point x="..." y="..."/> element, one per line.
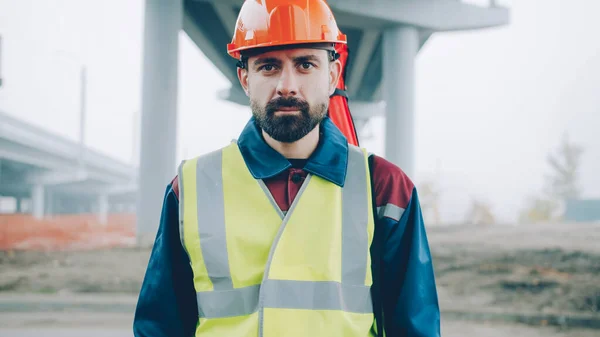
<point x="288" y="128"/>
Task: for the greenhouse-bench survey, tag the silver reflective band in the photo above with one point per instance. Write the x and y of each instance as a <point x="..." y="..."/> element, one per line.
<point x="390" y="211"/>
<point x="355" y="217"/>
<point x="317" y="296"/>
<point x="229" y="303"/>
<point x="285" y="294"/>
<point x="211" y="220"/>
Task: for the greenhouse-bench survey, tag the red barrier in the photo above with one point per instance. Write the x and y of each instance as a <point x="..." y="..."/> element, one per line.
<point x="66" y="232"/>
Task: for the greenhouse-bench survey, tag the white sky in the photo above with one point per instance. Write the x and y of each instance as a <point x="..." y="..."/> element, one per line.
<point x="490" y="104"/>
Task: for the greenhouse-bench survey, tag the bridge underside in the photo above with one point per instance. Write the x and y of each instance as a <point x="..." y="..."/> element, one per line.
<point x="29" y="189"/>
<point x="384" y="37"/>
<point x="210" y="24"/>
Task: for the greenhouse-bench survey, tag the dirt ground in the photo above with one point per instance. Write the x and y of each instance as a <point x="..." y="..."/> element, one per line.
<point x="553" y="268"/>
<point x="540" y="269"/>
<point x="119" y="270"/>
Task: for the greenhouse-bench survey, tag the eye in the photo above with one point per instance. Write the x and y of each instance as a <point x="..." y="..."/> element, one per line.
<point x="306" y="65"/>
<point x="267" y="67"/>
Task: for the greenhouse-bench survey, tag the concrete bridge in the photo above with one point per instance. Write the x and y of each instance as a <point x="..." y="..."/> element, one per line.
<point x="48" y="174"/>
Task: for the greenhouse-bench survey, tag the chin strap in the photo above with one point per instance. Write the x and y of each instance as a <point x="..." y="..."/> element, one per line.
<point x="340" y="92"/>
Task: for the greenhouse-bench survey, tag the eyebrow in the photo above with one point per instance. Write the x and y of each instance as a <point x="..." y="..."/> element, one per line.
<point x="263" y="60"/>
<point x="305" y="58"/>
<point x="297" y="59"/>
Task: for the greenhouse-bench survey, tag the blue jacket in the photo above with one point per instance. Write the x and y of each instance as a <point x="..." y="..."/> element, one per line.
<point x="404" y="291"/>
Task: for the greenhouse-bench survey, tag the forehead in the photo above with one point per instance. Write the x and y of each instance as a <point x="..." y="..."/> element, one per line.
<point x="290" y="54"/>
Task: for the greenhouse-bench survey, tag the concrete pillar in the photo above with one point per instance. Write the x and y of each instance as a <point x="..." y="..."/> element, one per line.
<point x="162" y="23"/>
<point x="103" y="209"/>
<point x="49" y="202"/>
<point x="37" y="201"/>
<point x="400" y="47"/>
<point x="19" y="208"/>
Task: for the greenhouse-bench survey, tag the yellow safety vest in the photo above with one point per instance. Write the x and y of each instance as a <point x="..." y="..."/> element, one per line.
<point x="261" y="273"/>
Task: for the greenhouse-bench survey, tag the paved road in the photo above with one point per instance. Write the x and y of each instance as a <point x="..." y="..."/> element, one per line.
<point x="450" y="329"/>
<point x="58" y="323"/>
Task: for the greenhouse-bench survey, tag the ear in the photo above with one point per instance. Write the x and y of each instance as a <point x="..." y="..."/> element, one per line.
<point x="243" y="77"/>
<point x="335" y="70"/>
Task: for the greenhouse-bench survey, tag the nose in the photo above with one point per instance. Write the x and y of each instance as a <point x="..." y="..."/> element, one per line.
<point x="288" y="83"/>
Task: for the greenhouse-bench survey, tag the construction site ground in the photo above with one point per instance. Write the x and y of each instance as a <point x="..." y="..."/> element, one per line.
<point x="526" y="280"/>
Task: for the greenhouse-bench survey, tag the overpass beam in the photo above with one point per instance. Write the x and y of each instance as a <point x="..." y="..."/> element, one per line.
<point x="162" y="23"/>
<point x="400" y="47"/>
<point x="37" y="201"/>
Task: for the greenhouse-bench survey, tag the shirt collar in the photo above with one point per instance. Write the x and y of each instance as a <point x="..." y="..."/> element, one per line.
<point x="328" y="161"/>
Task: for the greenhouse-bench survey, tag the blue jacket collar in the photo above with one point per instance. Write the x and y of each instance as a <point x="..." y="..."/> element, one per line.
<point x="329" y="161"/>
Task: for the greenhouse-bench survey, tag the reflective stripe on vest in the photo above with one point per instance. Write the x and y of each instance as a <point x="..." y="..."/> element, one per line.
<point x="250" y="261"/>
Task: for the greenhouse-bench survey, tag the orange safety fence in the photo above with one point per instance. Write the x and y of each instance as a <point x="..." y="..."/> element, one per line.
<point x="66" y="232"/>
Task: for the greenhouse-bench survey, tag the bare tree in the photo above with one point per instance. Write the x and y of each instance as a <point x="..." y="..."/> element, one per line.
<point x="480" y="213"/>
<point x="562" y="184"/>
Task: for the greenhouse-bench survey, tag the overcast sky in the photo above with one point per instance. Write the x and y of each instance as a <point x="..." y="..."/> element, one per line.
<point x="490" y="104"/>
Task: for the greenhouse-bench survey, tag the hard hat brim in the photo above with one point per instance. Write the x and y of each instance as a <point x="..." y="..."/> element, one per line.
<point x="264" y="47"/>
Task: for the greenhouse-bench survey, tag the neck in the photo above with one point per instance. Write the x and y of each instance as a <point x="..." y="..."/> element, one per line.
<point x="300" y="149"/>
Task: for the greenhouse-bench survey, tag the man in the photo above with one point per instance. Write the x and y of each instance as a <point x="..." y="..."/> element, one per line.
<point x="290" y="230"/>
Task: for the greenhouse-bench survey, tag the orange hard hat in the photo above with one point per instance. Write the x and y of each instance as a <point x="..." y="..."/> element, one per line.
<point x="271" y="23"/>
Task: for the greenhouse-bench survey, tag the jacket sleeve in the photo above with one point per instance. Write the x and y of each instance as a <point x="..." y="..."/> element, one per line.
<point x="167" y="301"/>
<point x="409" y="295"/>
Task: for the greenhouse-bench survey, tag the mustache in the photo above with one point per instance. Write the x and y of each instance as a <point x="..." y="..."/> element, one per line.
<point x="286" y="102"/>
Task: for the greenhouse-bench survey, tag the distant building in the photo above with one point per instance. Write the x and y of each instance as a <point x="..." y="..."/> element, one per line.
<point x="582" y="210"/>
